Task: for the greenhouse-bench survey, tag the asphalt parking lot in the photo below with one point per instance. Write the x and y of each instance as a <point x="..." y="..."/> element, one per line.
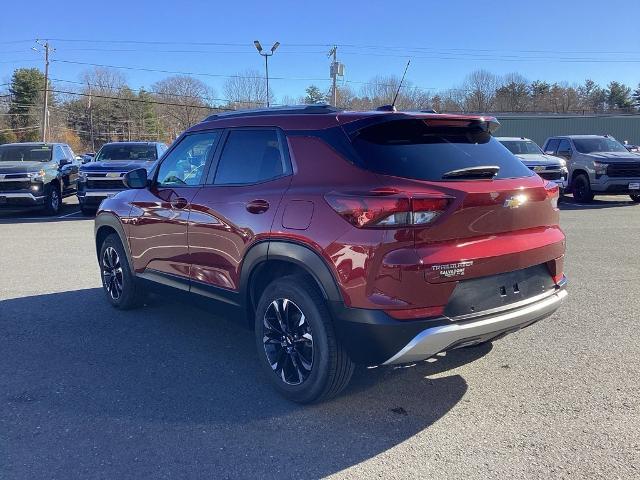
<point x="169" y="391"/>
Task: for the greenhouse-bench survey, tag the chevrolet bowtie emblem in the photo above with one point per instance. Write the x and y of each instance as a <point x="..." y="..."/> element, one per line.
<point x="113" y="174"/>
<point x="515" y="201"/>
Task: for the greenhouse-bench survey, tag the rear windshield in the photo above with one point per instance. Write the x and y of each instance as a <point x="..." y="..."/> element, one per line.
<point x="412" y="149"/>
<point x="127" y="152"/>
<point x="594" y="145"/>
<point x="521" y="147"/>
<point x="25" y="153"/>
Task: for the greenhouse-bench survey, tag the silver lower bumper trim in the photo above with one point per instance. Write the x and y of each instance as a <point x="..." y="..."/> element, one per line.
<point x="99" y="193"/>
<point x="21" y="195"/>
<point x="437" y="339"/>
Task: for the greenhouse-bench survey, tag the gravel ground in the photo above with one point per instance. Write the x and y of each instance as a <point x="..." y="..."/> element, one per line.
<point x="170" y="391"/>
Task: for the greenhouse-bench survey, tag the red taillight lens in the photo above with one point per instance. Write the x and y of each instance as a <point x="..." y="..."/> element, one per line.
<point x="553" y="193"/>
<point x="392" y="211"/>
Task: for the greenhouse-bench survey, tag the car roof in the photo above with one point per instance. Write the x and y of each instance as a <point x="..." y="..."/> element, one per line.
<point x="513" y="139"/>
<point x="131" y="143"/>
<point x="579" y="136"/>
<point x="34" y="144"/>
<point x="312" y="117"/>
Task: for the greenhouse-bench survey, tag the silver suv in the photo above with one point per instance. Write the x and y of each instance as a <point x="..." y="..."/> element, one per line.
<point x="598" y="165"/>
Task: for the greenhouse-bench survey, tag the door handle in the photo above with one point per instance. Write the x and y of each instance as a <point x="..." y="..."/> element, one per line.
<point x="179" y="203"/>
<point x="257" y="206"/>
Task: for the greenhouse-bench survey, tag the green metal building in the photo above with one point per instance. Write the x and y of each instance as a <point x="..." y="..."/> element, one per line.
<point x="540" y="127"/>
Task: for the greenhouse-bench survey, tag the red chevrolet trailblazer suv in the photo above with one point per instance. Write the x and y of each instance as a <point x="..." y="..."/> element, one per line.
<point x="377" y="238"/>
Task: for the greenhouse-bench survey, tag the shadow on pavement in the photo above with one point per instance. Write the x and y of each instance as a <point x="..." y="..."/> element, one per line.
<point x="568" y="203"/>
<point x="69" y="211"/>
<point x="170" y="391"/>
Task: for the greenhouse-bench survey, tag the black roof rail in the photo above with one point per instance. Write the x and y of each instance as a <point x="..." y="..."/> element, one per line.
<point x="314" y="109"/>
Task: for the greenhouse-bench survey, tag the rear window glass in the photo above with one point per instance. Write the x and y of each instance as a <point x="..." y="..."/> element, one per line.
<point x="127" y="152"/>
<point x="412" y="149"/>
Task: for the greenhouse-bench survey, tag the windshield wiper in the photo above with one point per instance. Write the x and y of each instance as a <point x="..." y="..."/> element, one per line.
<point x="482" y="172"/>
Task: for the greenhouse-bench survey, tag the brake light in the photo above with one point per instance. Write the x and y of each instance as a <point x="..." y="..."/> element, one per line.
<point x="553" y="193"/>
<point x="386" y="209"/>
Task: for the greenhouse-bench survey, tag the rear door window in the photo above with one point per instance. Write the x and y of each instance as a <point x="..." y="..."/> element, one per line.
<point x="251" y="156"/>
<point x="413" y="149"/>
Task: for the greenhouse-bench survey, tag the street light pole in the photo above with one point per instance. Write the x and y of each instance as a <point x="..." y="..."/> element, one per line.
<point x="266" y="56"/>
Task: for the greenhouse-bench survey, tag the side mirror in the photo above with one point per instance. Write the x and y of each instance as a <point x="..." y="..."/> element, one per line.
<point x="64" y="161"/>
<point x="86" y="160"/>
<point x="136" y="178"/>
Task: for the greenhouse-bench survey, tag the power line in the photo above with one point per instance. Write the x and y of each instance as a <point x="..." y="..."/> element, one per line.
<point x="342" y="45"/>
<point x="174" y="72"/>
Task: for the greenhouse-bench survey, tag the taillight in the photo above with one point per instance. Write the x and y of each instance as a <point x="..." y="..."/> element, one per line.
<point x="387" y="210"/>
<point x="553" y="193"/>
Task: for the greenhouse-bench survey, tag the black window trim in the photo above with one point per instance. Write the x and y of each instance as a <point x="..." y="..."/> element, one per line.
<point x="284" y="155"/>
<point x="168" y="151"/>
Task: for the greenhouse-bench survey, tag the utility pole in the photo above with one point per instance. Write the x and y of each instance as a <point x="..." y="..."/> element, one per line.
<point x="93" y="141"/>
<point x="336" y="69"/>
<point x="45" y="106"/>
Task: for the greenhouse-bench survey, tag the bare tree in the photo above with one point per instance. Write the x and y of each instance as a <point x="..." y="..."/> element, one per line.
<point x="481" y="87"/>
<point x="187" y="100"/>
<point x="513" y="95"/>
<point x="246" y="90"/>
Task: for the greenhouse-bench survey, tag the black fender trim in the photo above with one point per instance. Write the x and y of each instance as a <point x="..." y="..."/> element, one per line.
<point x="105" y="219"/>
<point x="296" y="253"/>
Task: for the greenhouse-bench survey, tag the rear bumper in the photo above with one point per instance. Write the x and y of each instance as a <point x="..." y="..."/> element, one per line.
<point x="480" y="329"/>
<point x="371" y="337"/>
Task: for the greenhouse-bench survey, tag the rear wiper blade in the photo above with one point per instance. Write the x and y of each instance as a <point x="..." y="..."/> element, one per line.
<point x="484" y="171"/>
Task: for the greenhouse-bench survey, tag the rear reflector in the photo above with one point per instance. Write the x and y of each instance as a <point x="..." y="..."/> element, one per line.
<point x="415" y="313"/>
<point x="388" y="210"/>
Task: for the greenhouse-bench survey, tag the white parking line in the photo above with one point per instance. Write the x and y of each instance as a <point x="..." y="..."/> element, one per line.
<point x="69" y="214"/>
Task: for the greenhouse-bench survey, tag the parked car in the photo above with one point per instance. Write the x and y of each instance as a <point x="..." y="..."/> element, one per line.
<point x="87" y="157"/>
<point x="547" y="166"/>
<point x="632" y="148"/>
<point x="598" y="165"/>
<point x="102" y="177"/>
<point x="37" y="176"/>
<point x="377" y="238"/>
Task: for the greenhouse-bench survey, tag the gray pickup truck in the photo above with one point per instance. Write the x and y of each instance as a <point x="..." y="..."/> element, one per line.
<point x="598" y="165"/>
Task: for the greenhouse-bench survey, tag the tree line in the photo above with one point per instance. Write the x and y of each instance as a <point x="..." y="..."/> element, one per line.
<point x="100" y="106"/>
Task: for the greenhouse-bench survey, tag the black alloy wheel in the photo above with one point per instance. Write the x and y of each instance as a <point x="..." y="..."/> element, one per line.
<point x="112" y="277"/>
<point x="288" y="341"/>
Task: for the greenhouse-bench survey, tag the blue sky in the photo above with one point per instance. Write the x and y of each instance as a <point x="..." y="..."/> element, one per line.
<point x="446" y="40"/>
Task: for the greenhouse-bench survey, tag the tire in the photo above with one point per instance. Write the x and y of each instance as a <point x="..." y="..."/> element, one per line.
<point x="53" y="200"/>
<point x="303" y="360"/>
<point x="582" y="189"/>
<point x="635" y="198"/>
<point x="118" y="282"/>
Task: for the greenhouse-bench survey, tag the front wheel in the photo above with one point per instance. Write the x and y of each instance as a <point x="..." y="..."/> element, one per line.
<point x="582" y="189"/>
<point x="53" y="201"/>
<point x="635" y="198"/>
<point x="118" y="281"/>
<point x="297" y="346"/>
